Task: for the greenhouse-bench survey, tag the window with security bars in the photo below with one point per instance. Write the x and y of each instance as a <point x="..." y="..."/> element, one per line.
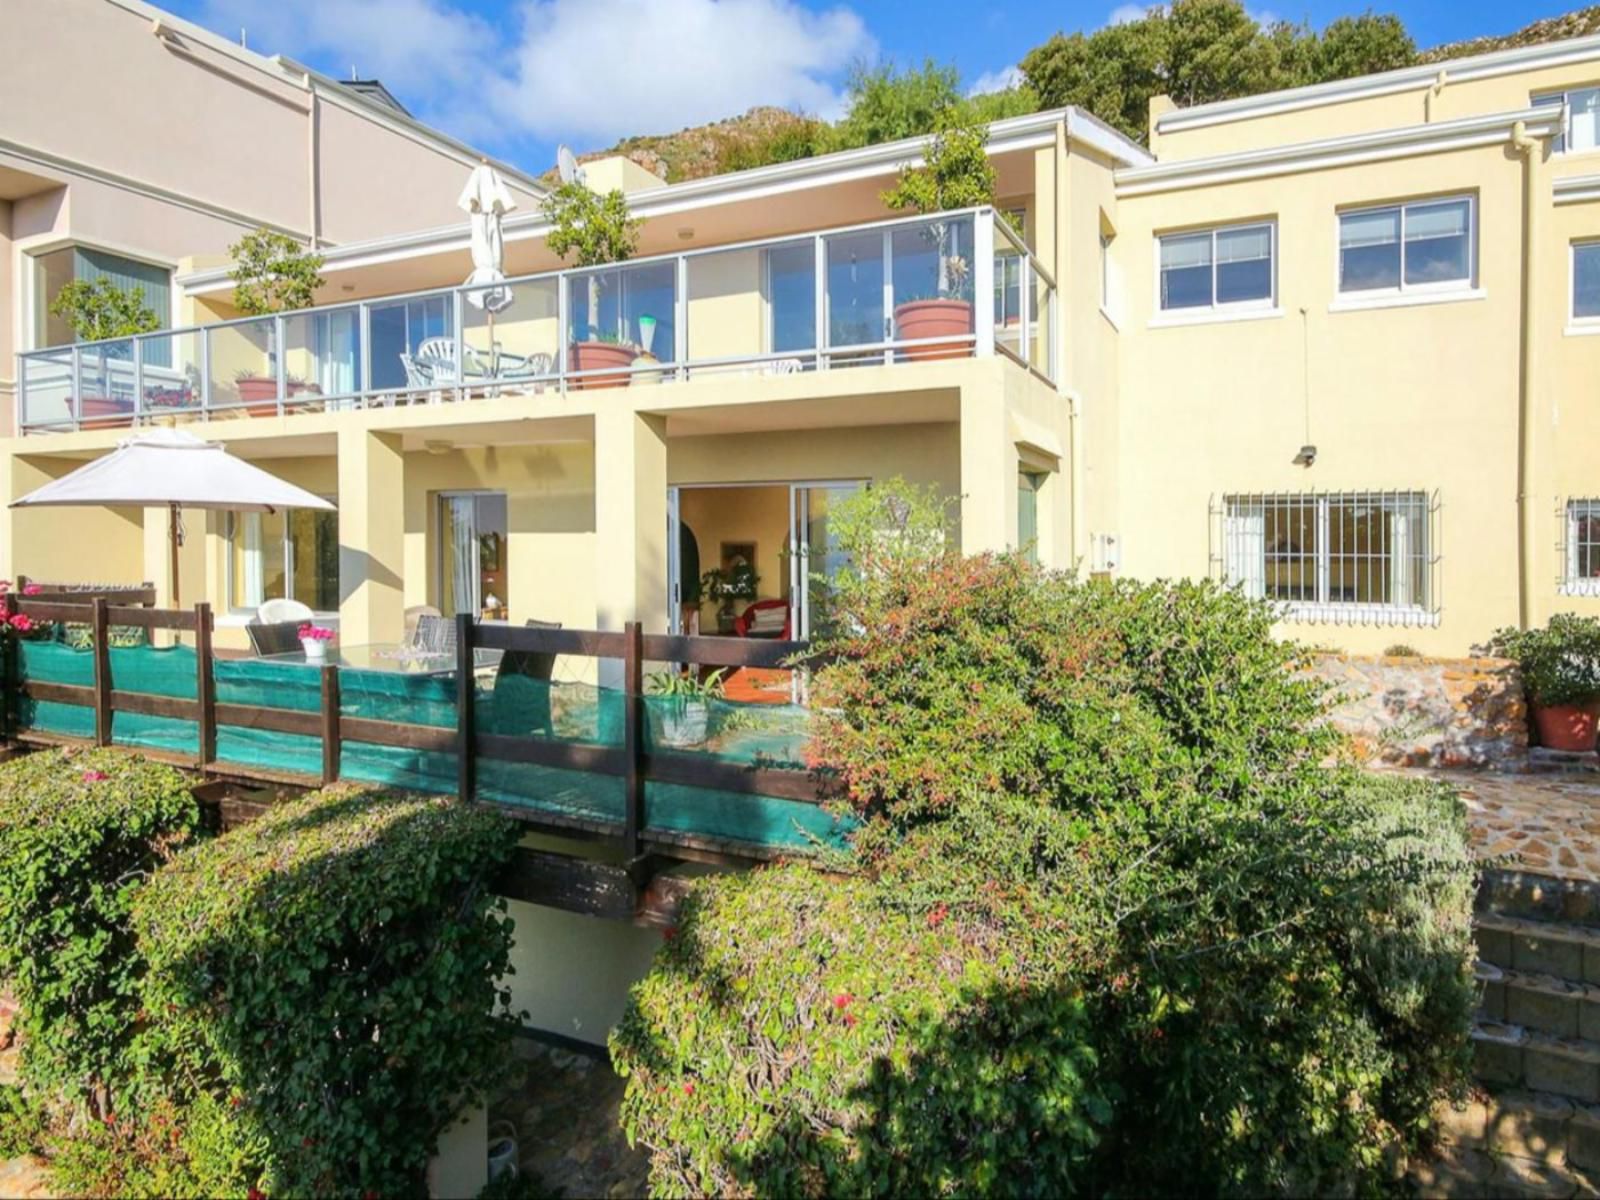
<point x="1582" y="536"/>
<point x="1331" y="555"/>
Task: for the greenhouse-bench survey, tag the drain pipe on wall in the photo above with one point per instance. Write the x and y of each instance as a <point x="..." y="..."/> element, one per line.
<point x="313" y="154"/>
<point x="1529" y="148"/>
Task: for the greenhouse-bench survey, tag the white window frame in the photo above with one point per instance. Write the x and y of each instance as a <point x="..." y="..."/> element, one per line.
<point x="1265" y="305"/>
<point x="1574" y="321"/>
<point x="1449" y="287"/>
<point x="1572" y="510"/>
<point x="1564" y="99"/>
<point x="1325" y="609"/>
<point x="229" y="532"/>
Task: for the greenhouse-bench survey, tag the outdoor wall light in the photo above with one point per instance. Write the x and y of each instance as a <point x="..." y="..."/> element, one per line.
<point x="1307" y="456"/>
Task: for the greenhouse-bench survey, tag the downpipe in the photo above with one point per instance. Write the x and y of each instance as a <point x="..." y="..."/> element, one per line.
<point x="1529" y="148"/>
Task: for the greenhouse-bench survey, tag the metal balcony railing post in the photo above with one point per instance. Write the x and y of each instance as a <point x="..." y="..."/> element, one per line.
<point x="75" y="401"/>
<point x="279" y="329"/>
<point x="983" y="282"/>
<point x="680" y="320"/>
<point x="458" y="310"/>
<point x="205" y="373"/>
<point x="563" y="330"/>
<point x="138" y="378"/>
<point x="820" y="320"/>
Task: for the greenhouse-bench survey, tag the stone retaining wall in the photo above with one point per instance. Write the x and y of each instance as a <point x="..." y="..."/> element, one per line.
<point x="1429" y="712"/>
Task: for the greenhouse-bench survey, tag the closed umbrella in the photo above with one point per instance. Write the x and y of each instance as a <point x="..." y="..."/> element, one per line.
<point x="178" y="470"/>
<point x="486" y="200"/>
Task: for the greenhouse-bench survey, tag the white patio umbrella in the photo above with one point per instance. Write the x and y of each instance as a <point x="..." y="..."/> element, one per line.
<point x="486" y="200"/>
<point x="171" y="468"/>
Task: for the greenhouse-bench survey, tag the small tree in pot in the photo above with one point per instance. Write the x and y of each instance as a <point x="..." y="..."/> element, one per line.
<point x="272" y="273"/>
<point x="957" y="174"/>
<point x="1561" y="673"/>
<point x="591" y="230"/>
<point x="95" y="311"/>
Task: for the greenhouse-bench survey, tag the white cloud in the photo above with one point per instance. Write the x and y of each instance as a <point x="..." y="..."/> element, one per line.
<point x="1124" y="13"/>
<point x="996" y="81"/>
<point x="586" y="71"/>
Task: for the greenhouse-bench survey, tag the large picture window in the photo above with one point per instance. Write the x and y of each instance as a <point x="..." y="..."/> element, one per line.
<point x="53" y="270"/>
<point x="288" y="555"/>
<point x="1328" y="555"/>
<point x="1406" y="247"/>
<point x="1222" y="268"/>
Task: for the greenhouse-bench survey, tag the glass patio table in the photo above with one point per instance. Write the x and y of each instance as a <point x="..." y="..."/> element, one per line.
<point x="394" y="657"/>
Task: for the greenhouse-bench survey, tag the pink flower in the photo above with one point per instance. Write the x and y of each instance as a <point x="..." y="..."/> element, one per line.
<point x="5" y="586"/>
<point x="95" y="777"/>
<point x="21" y="622"/>
<point x="688" y="1089"/>
<point x="315" y="633"/>
<point x="33" y="589"/>
<point x="842" y="1000"/>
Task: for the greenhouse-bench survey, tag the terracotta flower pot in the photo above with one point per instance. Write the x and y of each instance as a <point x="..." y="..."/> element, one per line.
<point x="102" y="412"/>
<point x="1570" y="727"/>
<point x="592" y="356"/>
<point x="259" y="393"/>
<point x="917" y="319"/>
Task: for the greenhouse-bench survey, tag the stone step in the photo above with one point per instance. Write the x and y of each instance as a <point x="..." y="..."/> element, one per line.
<point x="1560" y="949"/>
<point x="1545" y="761"/>
<point x="1510" y="1056"/>
<point x="1454" y="1171"/>
<point x="1538" y="897"/>
<point x="1545" y="1003"/>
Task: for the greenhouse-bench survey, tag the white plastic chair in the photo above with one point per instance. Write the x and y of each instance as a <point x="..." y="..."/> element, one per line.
<point x="273" y="612"/>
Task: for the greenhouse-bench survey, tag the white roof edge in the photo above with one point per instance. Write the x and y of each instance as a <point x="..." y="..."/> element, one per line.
<point x="1340" y="151"/>
<point x="1476" y="66"/>
<point x="1010" y="134"/>
<point x="285" y="69"/>
<point x="1092" y="131"/>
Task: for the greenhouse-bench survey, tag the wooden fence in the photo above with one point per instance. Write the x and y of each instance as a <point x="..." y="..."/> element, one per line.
<point x="633" y="761"/>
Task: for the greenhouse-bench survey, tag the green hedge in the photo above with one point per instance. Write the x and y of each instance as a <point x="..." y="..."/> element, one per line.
<point x="331" y="972"/>
<point x="1119" y="928"/>
<point x="79" y="833"/>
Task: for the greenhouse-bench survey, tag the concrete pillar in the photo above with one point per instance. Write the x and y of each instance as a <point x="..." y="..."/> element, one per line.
<point x="630" y="453"/>
<point x="988" y="473"/>
<point x="371" y="537"/>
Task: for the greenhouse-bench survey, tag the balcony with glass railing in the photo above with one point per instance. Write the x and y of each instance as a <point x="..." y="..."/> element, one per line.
<point x="893" y="292"/>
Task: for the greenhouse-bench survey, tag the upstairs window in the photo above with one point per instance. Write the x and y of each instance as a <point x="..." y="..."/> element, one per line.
<point x="1585" y="283"/>
<point x="1581" y="563"/>
<point x="1404" y="247"/>
<point x="54" y="269"/>
<point x="1227" y="267"/>
<point x="1581" y="128"/>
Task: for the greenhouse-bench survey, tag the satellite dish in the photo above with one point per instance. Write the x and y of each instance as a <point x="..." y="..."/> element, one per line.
<point x="567" y="164"/>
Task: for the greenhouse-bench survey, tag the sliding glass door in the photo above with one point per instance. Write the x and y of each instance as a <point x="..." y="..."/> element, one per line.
<point x="814" y="547"/>
<point x="473" y="559"/>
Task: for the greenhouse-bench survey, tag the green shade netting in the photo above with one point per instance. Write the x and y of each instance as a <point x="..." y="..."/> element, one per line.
<point x="761" y="734"/>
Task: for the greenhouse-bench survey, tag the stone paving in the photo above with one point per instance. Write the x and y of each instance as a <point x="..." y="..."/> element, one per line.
<point x="564" y="1109"/>
<point x="1545" y="823"/>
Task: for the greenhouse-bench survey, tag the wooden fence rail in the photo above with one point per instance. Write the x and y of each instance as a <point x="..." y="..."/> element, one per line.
<point x="633" y="761"/>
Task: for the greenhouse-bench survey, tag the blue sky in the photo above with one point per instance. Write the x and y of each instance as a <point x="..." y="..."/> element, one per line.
<point x="516" y="76"/>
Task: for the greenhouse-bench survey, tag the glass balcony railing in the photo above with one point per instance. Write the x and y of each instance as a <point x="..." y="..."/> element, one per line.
<point x="900" y="291"/>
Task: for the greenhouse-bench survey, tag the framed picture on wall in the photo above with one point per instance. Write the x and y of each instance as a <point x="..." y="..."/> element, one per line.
<point x="738" y="554"/>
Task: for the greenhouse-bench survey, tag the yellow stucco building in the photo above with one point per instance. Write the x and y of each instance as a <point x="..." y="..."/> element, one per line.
<point x="1328" y="344"/>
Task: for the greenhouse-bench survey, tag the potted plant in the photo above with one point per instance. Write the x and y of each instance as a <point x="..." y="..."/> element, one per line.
<point x="96" y="311"/>
<point x="314" y="639"/>
<point x="956" y="174"/>
<point x="1561" y="673"/>
<point x="686" y="713"/>
<point x="591" y="230"/>
<point x="272" y="273"/>
<point x="726" y="585"/>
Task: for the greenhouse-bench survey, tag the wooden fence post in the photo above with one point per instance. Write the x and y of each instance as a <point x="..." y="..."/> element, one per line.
<point x="466" y="718"/>
<point x="205" y="685"/>
<point x="9" y="707"/>
<point x="102" y="674"/>
<point x="633" y="738"/>
<point x="330" y="724"/>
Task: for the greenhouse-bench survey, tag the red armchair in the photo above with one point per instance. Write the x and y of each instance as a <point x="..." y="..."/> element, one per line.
<point x="744" y="625"/>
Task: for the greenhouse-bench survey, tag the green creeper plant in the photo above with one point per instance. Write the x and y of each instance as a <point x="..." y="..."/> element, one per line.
<point x="273" y="273"/>
<point x="98" y="309"/>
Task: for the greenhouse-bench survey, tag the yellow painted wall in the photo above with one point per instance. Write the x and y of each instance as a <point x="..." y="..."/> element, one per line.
<point x="91" y="545"/>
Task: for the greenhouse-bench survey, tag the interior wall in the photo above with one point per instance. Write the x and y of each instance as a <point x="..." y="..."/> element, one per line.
<point x="740" y="514"/>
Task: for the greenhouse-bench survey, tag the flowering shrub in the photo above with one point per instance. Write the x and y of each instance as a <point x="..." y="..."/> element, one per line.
<point x="328" y="976"/>
<point x="80" y="833"/>
<point x="1106" y="807"/>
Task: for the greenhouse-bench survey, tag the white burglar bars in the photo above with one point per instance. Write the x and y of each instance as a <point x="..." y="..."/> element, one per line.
<point x="1579" y="552"/>
<point x="1362" y="557"/>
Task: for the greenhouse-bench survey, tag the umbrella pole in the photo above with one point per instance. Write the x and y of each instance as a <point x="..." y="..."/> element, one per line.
<point x="172" y="532"/>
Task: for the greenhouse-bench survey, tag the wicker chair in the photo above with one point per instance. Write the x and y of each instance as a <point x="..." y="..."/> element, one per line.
<point x="520" y="704"/>
<point x="281" y="637"/>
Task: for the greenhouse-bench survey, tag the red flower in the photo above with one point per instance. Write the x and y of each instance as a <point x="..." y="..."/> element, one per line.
<point x="937" y="915"/>
<point x="255" y="1193"/>
<point x="5" y="586"/>
<point x="33" y="589"/>
<point x="95" y="777"/>
<point x="21" y="622"/>
<point x="688" y="1089"/>
<point x="670" y="932"/>
<point x="842" y="1000"/>
<point x="850" y="1020"/>
<point x="235" y="1101"/>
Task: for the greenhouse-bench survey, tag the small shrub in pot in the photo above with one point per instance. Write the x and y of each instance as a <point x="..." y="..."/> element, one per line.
<point x="1561" y="672"/>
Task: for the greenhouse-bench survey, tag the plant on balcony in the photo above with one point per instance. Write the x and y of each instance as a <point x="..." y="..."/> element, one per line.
<point x="96" y="310"/>
<point x="956" y="174"/>
<point x="271" y="273"/>
<point x="591" y="230"/>
<point x="1561" y="673"/>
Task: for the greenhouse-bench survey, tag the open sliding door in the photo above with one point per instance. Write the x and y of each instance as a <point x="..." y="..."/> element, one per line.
<point x="815" y="553"/>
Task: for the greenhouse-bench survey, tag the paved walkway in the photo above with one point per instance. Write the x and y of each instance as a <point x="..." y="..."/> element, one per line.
<point x="564" y="1109"/>
<point x="1545" y="823"/>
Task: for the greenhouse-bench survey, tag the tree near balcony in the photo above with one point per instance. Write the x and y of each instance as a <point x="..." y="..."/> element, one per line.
<point x="98" y="309"/>
<point x="592" y="230"/>
<point x="273" y="273"/>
